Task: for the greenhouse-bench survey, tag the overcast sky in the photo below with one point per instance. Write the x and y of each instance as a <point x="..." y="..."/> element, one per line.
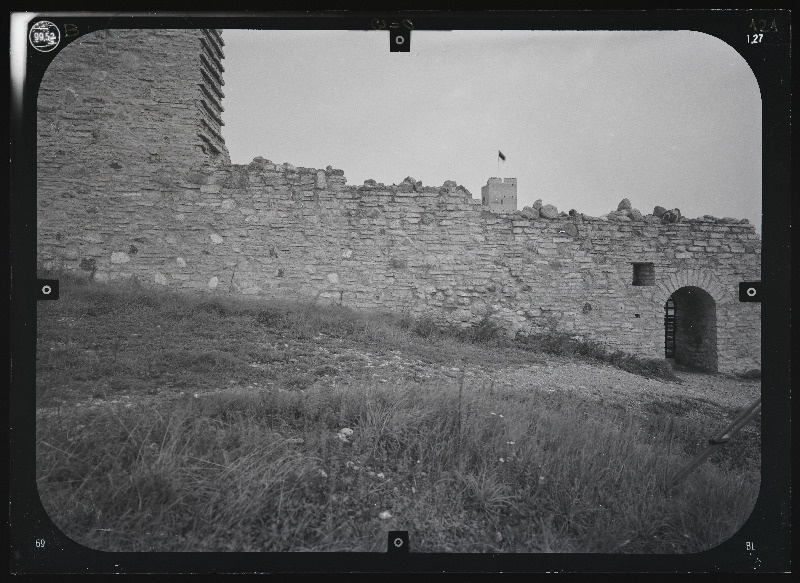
<point x="584" y="118"/>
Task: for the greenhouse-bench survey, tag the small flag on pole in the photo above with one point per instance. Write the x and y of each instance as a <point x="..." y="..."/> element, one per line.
<point x="501" y="155"/>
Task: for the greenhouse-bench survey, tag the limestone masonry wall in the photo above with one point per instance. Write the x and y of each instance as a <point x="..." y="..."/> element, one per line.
<point x="127" y="188"/>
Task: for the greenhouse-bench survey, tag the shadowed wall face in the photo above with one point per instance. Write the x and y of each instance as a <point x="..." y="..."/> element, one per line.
<point x="696" y="329"/>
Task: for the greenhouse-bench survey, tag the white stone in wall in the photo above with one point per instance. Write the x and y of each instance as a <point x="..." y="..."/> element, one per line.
<point x="216" y="239"/>
<point x="161" y="279"/>
<point x="181" y="262"/>
<point x="347" y="253"/>
<point x="213" y="282"/>
<point x="333" y="278"/>
<point x="119" y="257"/>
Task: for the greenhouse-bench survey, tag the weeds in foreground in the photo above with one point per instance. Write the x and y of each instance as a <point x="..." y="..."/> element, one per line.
<point x="270" y="472"/>
<point x="464" y="466"/>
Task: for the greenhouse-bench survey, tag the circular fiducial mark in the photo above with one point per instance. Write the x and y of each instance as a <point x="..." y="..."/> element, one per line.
<point x="47" y="290"/>
<point x="751" y="292"/>
<point x="44" y="36"/>
<point x="398" y="542"/>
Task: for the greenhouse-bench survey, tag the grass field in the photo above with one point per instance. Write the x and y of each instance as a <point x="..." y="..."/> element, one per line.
<point x="176" y="423"/>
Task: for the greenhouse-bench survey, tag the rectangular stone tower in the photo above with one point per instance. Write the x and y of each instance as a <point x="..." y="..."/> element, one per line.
<point x="129" y="122"/>
<point x="123" y="108"/>
<point x="500" y="195"/>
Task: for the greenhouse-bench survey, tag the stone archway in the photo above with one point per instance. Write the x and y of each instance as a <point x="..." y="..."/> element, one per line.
<point x="695" y="328"/>
<point x="703" y="301"/>
<point x="703" y="279"/>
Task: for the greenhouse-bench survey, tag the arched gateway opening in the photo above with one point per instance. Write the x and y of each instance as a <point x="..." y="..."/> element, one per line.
<point x="690" y="328"/>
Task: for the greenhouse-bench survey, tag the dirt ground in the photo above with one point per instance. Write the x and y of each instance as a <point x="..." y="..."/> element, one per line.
<point x="329" y="362"/>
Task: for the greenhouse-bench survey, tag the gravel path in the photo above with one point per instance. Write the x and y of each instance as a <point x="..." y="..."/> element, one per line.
<point x="613" y="384"/>
<point x="693" y="392"/>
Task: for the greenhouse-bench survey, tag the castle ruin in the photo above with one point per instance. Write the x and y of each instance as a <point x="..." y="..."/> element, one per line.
<point x="500" y="195"/>
<point x="134" y="179"/>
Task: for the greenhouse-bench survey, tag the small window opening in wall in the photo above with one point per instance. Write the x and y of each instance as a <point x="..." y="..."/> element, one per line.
<point x="644" y="274"/>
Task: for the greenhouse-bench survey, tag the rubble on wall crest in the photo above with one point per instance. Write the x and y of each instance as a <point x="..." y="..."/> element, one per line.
<point x="625" y="211"/>
<point x="548" y="211"/>
<point x="259" y="161"/>
<point x="414" y="184"/>
<point x="672" y="216"/>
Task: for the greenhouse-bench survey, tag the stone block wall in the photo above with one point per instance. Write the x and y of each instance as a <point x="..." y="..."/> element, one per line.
<point x="193" y="222"/>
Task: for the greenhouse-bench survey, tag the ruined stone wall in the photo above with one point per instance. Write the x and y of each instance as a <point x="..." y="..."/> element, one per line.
<point x="193" y="222"/>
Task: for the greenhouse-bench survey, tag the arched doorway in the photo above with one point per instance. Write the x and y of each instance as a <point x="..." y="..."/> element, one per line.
<point x="690" y="328"/>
